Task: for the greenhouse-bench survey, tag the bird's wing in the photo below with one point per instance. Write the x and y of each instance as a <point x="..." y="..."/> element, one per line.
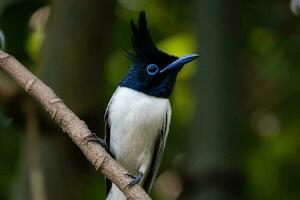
<point x="107" y="139"/>
<point x="107" y="129"/>
<point x="158" y="152"/>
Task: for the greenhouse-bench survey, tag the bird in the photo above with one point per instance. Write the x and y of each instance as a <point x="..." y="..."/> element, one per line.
<point x="138" y="115"/>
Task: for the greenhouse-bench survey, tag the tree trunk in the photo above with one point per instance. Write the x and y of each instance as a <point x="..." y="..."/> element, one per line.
<point x="212" y="166"/>
<point x="72" y="63"/>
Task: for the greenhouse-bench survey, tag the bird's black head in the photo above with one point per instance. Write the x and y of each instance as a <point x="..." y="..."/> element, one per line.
<point x="153" y="72"/>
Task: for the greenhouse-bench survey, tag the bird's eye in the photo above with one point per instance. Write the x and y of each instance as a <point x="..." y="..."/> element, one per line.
<point x="152" y="69"/>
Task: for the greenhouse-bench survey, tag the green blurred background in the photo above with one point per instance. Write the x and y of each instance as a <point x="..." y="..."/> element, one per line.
<point x="236" y="111"/>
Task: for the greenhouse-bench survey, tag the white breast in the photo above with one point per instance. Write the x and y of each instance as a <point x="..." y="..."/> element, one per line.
<point x="135" y="121"/>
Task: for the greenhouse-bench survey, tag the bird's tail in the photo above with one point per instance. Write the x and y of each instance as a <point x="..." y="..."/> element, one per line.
<point x="2" y="40"/>
<point x="115" y="194"/>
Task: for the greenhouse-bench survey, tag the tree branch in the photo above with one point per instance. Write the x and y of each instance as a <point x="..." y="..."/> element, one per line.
<point x="71" y="124"/>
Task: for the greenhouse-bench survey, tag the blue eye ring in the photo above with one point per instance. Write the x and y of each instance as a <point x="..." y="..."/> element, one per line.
<point x="152" y="69"/>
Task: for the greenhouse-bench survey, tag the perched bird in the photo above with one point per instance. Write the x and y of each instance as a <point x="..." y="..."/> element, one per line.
<point x="138" y="115"/>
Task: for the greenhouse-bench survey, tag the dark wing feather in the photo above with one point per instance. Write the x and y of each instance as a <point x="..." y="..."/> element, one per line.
<point x="107" y="139"/>
<point x="157" y="154"/>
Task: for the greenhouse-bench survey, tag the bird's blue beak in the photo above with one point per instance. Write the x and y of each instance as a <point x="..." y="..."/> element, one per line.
<point x="180" y="62"/>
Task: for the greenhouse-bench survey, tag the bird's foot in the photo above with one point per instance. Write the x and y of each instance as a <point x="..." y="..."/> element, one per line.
<point x="135" y="179"/>
<point x="94" y="138"/>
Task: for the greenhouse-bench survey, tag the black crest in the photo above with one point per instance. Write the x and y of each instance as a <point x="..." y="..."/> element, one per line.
<point x="143" y="45"/>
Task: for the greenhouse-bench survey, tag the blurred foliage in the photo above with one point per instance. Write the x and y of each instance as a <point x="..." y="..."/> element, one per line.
<point x="10" y="143"/>
<point x="270" y="40"/>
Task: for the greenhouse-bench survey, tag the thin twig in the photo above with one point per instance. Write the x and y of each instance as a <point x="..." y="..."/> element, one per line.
<point x="71" y="124"/>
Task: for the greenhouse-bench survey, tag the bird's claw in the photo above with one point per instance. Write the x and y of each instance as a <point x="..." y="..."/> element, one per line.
<point x="94" y="138"/>
<point x="135" y="179"/>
